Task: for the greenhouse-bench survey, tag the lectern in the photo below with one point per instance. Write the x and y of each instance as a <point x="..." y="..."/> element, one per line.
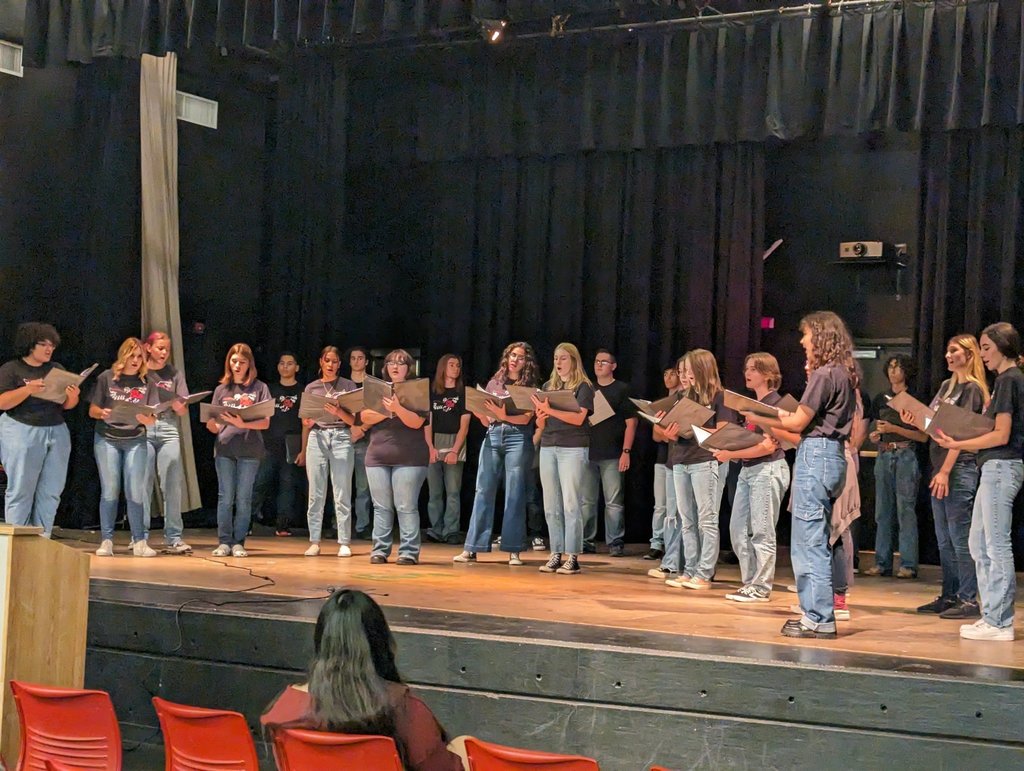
<point x="44" y="607"/>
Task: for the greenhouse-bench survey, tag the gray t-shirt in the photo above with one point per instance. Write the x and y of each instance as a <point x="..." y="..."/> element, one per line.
<point x="829" y="396"/>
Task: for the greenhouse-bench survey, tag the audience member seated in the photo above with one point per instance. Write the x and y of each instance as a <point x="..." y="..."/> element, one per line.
<point x="354" y="687"/>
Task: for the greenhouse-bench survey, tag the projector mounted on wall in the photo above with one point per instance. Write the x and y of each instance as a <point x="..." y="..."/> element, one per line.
<point x="865" y="251"/>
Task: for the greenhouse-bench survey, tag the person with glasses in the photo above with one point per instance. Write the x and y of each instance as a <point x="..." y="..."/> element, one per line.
<point x="35" y="443"/>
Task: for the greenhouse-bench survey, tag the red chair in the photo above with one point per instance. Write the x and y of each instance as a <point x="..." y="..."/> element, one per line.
<point x="484" y="756"/>
<point x="296" y="749"/>
<point x="198" y="739"/>
<point x="67" y="725"/>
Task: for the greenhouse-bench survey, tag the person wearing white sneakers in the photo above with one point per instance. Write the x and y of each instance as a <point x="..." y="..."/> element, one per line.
<point x="121" y="448"/>
<point x="237" y="450"/>
<point x="327" y="451"/>
<point x="1002" y="471"/>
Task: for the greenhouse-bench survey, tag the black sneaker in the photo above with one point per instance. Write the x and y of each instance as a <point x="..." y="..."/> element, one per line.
<point x="552" y="564"/>
<point x="794" y="628"/>
<point x="378" y="559"/>
<point x="654" y="554"/>
<point x="938" y="605"/>
<point x="570" y="567"/>
<point x="405" y="561"/>
<point x="962" y="609"/>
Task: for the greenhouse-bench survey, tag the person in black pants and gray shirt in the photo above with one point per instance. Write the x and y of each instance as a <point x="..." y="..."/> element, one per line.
<point x="283" y="441"/>
<point x="611" y="442"/>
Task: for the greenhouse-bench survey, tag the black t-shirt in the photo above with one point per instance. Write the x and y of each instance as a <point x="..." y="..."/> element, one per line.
<point x="32" y="412"/>
<point x="1007" y="397"/>
<point x="686" y="451"/>
<point x="880" y="410"/>
<point x="446" y="410"/>
<point x="392" y="443"/>
<point x="127" y="389"/>
<point x="558" y="433"/>
<point x="607" y="436"/>
<point x="967" y="395"/>
<point x="286" y="414"/>
<point x="240" y="442"/>
<point x="830" y="397"/>
<point x="771" y="399"/>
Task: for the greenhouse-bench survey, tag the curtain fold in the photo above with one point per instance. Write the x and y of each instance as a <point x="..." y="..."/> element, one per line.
<point x="158" y="132"/>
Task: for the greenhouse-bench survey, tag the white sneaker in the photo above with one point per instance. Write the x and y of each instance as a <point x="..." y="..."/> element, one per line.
<point x="222" y="551"/>
<point x="141" y="549"/>
<point x="106" y="549"/>
<point x="982" y="630"/>
<point x="239" y="551"/>
<point x="313" y="550"/>
<point x="343" y="550"/>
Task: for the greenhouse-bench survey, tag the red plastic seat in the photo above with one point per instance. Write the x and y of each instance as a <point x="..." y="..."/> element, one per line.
<point x="296" y="749"/>
<point x="484" y="756"/>
<point x="67" y="725"/>
<point x="199" y="739"/>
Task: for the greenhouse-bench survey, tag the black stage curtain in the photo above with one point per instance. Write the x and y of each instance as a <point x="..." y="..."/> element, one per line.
<point x="971" y="241"/>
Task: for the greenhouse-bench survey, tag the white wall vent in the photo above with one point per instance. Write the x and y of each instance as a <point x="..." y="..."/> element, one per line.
<point x="10" y="59"/>
<point x="195" y="109"/>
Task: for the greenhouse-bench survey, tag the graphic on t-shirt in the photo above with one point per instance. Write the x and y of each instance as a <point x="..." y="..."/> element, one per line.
<point x="286" y="402"/>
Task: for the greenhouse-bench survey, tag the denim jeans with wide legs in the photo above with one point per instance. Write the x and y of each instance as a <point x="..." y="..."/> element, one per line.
<point x="990" y="539"/>
<point x="897" y="475"/>
<point x="164" y="466"/>
<point x="818" y="478"/>
<point x="952" y="516"/>
<point x="35" y="459"/>
<point x="362" y="504"/>
<point x="506" y="453"/>
<point x="444" y="507"/>
<point x="122" y="461"/>
<point x="698" y="495"/>
<point x="329" y="454"/>
<point x="604" y="475"/>
<point x="561" y="478"/>
<point x="235" y="480"/>
<point x="396" y="491"/>
<point x="755" y="514"/>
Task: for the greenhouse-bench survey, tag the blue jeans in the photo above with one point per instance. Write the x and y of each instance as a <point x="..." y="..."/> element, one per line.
<point x="507" y="448"/>
<point x="698" y="495"/>
<point x="36" y="461"/>
<point x="329" y="453"/>
<point x="664" y="501"/>
<point x="952" y="531"/>
<point x="606" y="475"/>
<point x="164" y="464"/>
<point x="755" y="513"/>
<point x="126" y="459"/>
<point x="362" y="506"/>
<point x="396" y="490"/>
<point x="818" y="478"/>
<point x="990" y="539"/>
<point x="561" y="478"/>
<point x="235" y="479"/>
<point x="444" y="508"/>
<point x="896" y="479"/>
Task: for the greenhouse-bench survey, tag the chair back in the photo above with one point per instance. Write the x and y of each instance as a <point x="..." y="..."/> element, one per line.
<point x="484" y="756"/>
<point x="199" y="739"/>
<point x="66" y="725"/>
<point x="297" y="749"/>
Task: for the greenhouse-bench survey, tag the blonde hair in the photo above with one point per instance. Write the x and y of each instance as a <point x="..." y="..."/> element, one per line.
<point x="975" y="366"/>
<point x="128" y="347"/>
<point x="707" y="383"/>
<point x="241" y="349"/>
<point x="768" y="366"/>
<point x="577" y="375"/>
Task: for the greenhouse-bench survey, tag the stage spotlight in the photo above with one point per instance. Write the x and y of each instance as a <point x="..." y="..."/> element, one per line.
<point x="492" y="30"/>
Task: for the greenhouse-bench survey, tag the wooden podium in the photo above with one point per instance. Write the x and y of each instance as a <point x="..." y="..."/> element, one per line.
<point x="44" y="607"/>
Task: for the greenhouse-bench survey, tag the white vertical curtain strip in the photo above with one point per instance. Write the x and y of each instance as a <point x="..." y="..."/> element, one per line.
<point x="160" y="305"/>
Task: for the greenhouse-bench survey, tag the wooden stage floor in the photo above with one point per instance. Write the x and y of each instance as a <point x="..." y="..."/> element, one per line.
<point x="610" y="594"/>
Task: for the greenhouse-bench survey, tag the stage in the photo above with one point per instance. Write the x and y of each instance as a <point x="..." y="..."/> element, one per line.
<point x="610" y="662"/>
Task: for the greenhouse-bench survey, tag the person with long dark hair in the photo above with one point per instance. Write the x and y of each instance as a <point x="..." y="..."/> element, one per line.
<point x="121" y="448"/>
<point x="824" y="418"/>
<point x="897" y="474"/>
<point x="35" y="443"/>
<point x="237" y="450"/>
<point x="354" y="687"/>
<point x="955" y="482"/>
<point x="507" y="451"/>
<point x="1002" y="472"/>
<point x="446" y="435"/>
